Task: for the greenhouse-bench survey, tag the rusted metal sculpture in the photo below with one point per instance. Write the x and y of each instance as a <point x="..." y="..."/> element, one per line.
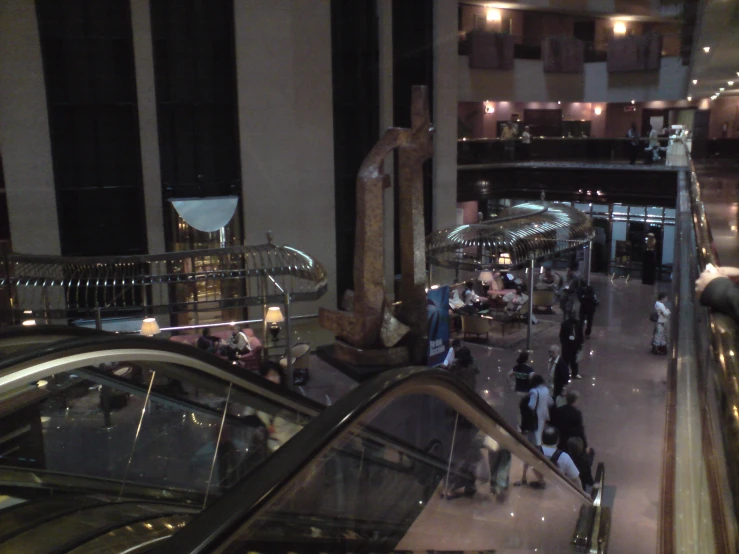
<point x="371" y="334"/>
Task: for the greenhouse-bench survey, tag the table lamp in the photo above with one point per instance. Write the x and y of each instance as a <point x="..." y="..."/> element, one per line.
<point x="273" y="319"/>
<point x="150" y="327"/>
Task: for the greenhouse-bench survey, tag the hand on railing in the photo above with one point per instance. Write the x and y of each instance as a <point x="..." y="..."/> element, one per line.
<point x="718" y="289"/>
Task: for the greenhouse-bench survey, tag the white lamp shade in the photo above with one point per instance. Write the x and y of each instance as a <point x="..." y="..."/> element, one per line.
<point x="150" y="327"/>
<point x="486" y="276"/>
<point x="274" y="315"/>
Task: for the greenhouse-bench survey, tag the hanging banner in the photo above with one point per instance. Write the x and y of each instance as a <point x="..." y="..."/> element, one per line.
<point x="438" y="315"/>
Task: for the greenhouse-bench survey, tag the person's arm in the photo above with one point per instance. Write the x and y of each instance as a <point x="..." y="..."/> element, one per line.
<point x="563" y="334"/>
<point x="722" y="295"/>
<point x="532" y="399"/>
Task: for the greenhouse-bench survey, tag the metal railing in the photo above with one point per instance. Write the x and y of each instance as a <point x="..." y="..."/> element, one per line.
<point x="473" y="151"/>
<point x="52" y="287"/>
<point x="701" y="460"/>
<point x="530" y="48"/>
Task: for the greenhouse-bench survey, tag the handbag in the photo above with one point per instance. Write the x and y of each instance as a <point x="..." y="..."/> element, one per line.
<point x="654" y="316"/>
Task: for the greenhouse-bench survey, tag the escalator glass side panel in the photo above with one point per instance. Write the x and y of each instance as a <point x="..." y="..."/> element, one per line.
<point x="445" y="485"/>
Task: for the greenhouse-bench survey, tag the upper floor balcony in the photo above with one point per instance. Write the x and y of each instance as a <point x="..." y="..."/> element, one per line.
<point x="536" y="56"/>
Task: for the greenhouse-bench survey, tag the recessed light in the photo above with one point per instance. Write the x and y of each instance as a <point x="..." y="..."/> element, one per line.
<point x="730" y="83"/>
<point x="695" y="81"/>
<point x="721" y="89"/>
<point x="706" y="49"/>
<point x="690" y="98"/>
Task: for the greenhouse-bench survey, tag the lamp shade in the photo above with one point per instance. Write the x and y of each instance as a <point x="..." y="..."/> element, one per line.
<point x="150" y="327"/>
<point x="486" y="276"/>
<point x="274" y="315"/>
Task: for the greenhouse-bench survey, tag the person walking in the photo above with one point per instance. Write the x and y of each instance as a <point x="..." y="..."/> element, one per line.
<point x="588" y="303"/>
<point x="521" y="374"/>
<point x="540" y="402"/>
<point x="659" y="337"/>
<point x="571" y="339"/>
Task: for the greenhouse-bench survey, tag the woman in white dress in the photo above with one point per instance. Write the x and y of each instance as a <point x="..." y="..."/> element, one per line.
<point x="659" y="338"/>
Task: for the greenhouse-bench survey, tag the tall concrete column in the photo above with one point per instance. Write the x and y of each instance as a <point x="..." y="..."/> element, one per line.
<point x="148" y="130"/>
<point x="444" y="115"/>
<point x="25" y="144"/>
<point x="283" y="67"/>
<point x="385" y="39"/>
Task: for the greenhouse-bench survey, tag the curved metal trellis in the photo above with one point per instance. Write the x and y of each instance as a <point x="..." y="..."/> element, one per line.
<point x="521" y="234"/>
<point x="247" y="275"/>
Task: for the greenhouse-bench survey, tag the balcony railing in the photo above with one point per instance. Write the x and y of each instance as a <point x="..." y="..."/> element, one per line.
<point x="530" y="48"/>
<point x="700" y="488"/>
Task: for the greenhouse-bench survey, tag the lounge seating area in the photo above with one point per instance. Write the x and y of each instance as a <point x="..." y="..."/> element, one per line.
<point x="251" y="361"/>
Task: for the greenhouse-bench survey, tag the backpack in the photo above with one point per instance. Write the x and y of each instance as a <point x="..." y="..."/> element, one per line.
<point x="554" y="458"/>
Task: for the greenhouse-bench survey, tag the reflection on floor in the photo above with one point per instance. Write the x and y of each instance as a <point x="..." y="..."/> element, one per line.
<point x="524" y="520"/>
<point x="623" y="404"/>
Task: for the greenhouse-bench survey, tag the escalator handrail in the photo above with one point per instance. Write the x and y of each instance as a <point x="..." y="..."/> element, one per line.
<point x="208" y="363"/>
<point x="248" y="497"/>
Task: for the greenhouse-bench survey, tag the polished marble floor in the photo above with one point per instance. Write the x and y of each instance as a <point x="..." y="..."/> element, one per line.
<point x="623" y="402"/>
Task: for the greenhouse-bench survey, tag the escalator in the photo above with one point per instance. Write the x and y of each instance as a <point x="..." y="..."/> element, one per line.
<point x="367" y="476"/>
<point x="130" y="444"/>
<point x="111" y="443"/>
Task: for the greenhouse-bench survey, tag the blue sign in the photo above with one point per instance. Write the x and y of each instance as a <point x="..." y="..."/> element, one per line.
<point x="438" y="314"/>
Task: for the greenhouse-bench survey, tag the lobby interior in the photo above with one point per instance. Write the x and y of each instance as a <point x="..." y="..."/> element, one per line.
<point x="197" y="162"/>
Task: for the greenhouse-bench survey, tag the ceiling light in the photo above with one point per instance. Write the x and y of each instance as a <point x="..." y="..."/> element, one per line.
<point x="690" y="98"/>
<point x="619" y="28"/>
<point x="633" y="102"/>
<point x="493" y="15"/>
<point x="721" y="89"/>
<point x="695" y="81"/>
<point x="598" y="110"/>
<point x="559" y="102"/>
<point x="731" y="83"/>
<point x="706" y="49"/>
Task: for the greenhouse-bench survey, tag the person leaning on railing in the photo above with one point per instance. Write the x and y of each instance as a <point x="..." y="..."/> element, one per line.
<point x="718" y="289"/>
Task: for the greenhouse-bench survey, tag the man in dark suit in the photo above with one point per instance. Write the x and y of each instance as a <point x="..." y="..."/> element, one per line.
<point x="568" y="419"/>
<point x="559" y="371"/>
<point x="571" y="339"/>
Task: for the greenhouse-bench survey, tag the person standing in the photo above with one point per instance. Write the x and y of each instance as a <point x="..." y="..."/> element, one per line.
<point x="526" y="144"/>
<point x="654" y="144"/>
<point x="568" y="419"/>
<point x="659" y="338"/>
<point x="570" y="337"/>
<point x="451" y="355"/>
<point x="633" y="136"/>
<point x="559" y="371"/>
<point x="464" y="367"/>
<point x="508" y="136"/>
<point x="588" y="304"/>
<point x="521" y="374"/>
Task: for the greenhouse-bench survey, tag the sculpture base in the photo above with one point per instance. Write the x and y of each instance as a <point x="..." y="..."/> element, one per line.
<point x="361" y="364"/>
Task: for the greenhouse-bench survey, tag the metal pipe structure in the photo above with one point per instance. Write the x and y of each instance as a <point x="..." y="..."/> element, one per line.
<point x="531" y="305"/>
<point x="528" y="231"/>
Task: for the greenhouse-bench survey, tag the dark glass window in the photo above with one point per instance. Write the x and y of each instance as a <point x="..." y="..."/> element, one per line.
<point x="195" y="70"/>
<point x="87" y="49"/>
